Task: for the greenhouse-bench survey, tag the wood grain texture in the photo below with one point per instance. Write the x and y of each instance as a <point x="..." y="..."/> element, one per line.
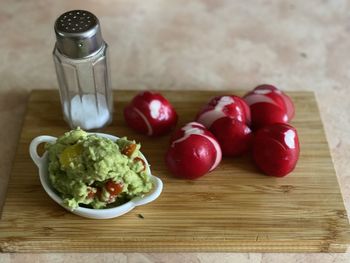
<point x="234" y="208"/>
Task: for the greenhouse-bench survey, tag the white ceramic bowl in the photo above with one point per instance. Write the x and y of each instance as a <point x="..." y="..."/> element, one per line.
<point x="42" y="163"/>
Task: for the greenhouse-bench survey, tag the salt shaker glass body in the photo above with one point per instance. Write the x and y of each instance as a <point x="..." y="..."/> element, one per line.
<point x="81" y="62"/>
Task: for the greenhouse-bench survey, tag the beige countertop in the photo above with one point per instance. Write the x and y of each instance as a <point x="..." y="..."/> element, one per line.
<point x="211" y="44"/>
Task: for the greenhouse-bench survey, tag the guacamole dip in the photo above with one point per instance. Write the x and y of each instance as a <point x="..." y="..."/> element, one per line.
<point x="96" y="172"/>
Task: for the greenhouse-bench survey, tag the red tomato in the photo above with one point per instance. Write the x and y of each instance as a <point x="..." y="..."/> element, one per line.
<point x="113" y="188"/>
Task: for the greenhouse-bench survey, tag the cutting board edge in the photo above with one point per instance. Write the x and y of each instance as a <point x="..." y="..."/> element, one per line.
<point x="311" y="246"/>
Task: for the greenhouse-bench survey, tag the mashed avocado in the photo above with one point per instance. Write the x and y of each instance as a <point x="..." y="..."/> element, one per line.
<point x="93" y="171"/>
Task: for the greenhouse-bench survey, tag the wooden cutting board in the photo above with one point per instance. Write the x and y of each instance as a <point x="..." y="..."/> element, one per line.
<point x="234" y="208"/>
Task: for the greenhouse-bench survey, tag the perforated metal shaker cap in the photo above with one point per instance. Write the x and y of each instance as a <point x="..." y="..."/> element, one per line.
<point x="78" y="34"/>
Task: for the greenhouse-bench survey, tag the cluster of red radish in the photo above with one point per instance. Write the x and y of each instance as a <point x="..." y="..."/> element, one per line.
<point x="228" y="125"/>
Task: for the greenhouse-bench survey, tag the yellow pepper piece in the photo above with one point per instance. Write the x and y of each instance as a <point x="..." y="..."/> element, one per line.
<point x="70" y="153"/>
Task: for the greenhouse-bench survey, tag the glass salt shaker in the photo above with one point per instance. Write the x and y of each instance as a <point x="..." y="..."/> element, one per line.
<point x="81" y="62"/>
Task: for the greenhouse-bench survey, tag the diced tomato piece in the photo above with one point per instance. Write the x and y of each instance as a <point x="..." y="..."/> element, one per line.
<point x="129" y="149"/>
<point x="113" y="188"/>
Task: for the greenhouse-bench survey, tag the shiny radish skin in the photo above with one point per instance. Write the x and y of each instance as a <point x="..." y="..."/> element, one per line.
<point x="278" y="96"/>
<point x="193" y="152"/>
<point x="234" y="137"/>
<point x="191" y="160"/>
<point x="276" y="149"/>
<point x="222" y="106"/>
<point x="266" y="113"/>
<point x="269" y="105"/>
<point x="151" y="114"/>
<point x="187" y="129"/>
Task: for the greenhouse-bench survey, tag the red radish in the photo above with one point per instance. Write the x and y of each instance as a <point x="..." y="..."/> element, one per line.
<point x="266" y="113"/>
<point x="193" y="152"/>
<point x="276" y="149"/>
<point x="222" y="106"/>
<point x="269" y="105"/>
<point x="233" y="136"/>
<point x="150" y="113"/>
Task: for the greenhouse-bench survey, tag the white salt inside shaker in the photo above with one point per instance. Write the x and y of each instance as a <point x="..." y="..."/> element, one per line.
<point x="88" y="112"/>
